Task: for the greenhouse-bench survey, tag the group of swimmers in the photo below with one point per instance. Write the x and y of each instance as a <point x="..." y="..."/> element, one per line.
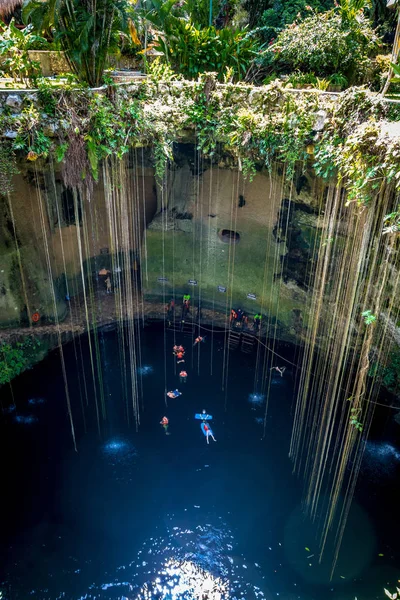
<point x="179" y="353"/>
<point x="239" y="319"/>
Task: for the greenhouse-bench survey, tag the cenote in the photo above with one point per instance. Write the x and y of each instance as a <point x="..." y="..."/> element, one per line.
<point x="104" y="521"/>
<point x="199" y="299"/>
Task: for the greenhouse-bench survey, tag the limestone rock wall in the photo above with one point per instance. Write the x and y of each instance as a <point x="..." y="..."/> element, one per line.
<point x="266" y="270"/>
<point x="40" y="259"/>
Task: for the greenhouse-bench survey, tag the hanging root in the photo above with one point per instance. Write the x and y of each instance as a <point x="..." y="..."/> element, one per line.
<point x="75" y="166"/>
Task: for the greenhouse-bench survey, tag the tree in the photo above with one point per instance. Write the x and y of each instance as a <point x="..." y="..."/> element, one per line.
<point x="87" y="30"/>
<point x="395" y="53"/>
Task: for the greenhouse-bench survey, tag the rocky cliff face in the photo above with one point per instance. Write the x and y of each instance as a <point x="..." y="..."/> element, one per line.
<point x="230" y="242"/>
<point x="211" y="233"/>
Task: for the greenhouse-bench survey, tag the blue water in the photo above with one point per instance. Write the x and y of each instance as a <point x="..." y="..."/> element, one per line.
<point x="139" y="512"/>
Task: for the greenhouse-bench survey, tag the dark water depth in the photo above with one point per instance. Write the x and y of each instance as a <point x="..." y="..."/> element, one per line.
<point x="134" y="508"/>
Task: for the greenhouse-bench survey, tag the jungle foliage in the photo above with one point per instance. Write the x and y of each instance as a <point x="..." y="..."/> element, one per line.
<point x="336" y="41"/>
<point x="15" y="62"/>
<point x="87" y="31"/>
<point x="15" y="358"/>
<point x="250" y="40"/>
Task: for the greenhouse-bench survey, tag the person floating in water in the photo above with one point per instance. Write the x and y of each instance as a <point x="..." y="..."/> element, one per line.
<point x="179" y="357"/>
<point x="183" y="376"/>
<point x="208" y="431"/>
<point x="199" y="339"/>
<point x="178" y="349"/>
<point x="174" y="394"/>
<point x="280" y="370"/>
<point x="108" y="285"/>
<point x="164" y="422"/>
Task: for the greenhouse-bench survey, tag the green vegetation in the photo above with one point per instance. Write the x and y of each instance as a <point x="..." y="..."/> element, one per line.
<point x="240" y="40"/>
<point x="15" y="358"/>
<point x="389" y="374"/>
<point x="369" y="318"/>
<point x="14" y="58"/>
<point x="87" y="31"/>
<point x="354" y="415"/>
<point x="338" y="41"/>
<point x="257" y="126"/>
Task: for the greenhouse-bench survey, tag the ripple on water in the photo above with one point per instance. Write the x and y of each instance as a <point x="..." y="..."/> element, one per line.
<point x="26" y="420"/>
<point x="187" y="562"/>
<point x="145" y="370"/>
<point x="36" y="401"/>
<point x="120" y="455"/>
<point x="380" y="459"/>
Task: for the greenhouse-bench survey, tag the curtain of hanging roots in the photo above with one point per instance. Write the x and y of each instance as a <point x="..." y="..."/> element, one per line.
<point x="355" y="262"/>
<point x="124" y="238"/>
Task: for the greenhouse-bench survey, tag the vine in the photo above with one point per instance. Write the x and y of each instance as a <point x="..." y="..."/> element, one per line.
<point x="257" y="126"/>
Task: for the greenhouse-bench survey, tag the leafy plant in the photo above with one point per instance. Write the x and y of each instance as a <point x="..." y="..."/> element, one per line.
<point x="326" y="43"/>
<point x="41" y="15"/>
<point x="280" y="14"/>
<point x="369" y="318"/>
<point x="159" y="70"/>
<point x="338" y="79"/>
<point x="14" y="47"/>
<point x="322" y="84"/>
<point x="299" y="78"/>
<point x="354" y="414"/>
<point x="14" y="358"/>
<point x="192" y="51"/>
<point x="392" y="223"/>
<point x="87" y="30"/>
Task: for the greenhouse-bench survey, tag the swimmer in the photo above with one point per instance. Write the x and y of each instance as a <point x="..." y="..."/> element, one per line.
<point x="209" y="433"/>
<point x="280" y="370"/>
<point x="178" y="350"/>
<point x="183" y="376"/>
<point x="199" y="339"/>
<point x="174" y="394"/>
<point x="164" y="422"/>
<point x="179" y="355"/>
